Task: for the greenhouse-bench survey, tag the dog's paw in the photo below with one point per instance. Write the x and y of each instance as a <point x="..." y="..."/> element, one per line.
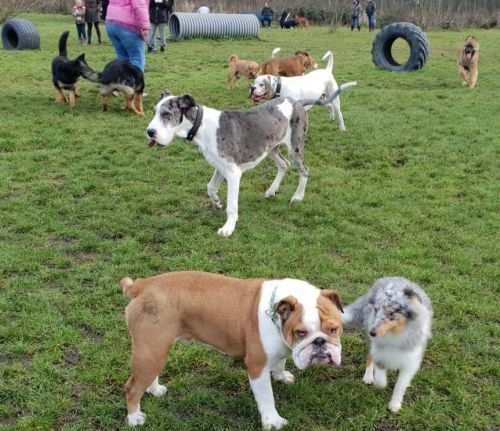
<point x="226" y="231"/>
<point x="137" y="418"/>
<point x="285" y="377"/>
<point x="296" y="199"/>
<point x="368" y="379"/>
<point x="270" y="193"/>
<point x="270" y="422"/>
<point x="394" y="406"/>
<point x="380" y="383"/>
<point x="157" y="390"/>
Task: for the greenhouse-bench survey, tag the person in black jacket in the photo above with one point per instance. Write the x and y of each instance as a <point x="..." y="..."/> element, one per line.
<point x="159" y="13"/>
<point x="92" y="18"/>
<point x="370" y="13"/>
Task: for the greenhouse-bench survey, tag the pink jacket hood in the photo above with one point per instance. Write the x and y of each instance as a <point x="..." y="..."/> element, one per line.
<point x="132" y="15"/>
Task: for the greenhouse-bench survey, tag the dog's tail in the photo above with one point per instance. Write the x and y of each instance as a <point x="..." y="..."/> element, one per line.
<point x="324" y="101"/>
<point x="329" y="65"/>
<point x="130" y="288"/>
<point x="233" y="57"/>
<point x="275" y="52"/>
<point x="90" y="74"/>
<point x="63" y="41"/>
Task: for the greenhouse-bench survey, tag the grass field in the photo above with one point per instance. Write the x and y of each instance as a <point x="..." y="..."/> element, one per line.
<point x="411" y="189"/>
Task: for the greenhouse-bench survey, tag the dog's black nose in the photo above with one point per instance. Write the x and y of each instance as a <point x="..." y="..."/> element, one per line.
<point x="319" y="341"/>
<point x="151" y="133"/>
<point x="373" y="333"/>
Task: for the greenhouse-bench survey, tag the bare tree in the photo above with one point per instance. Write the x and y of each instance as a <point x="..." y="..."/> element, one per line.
<point x="11" y="8"/>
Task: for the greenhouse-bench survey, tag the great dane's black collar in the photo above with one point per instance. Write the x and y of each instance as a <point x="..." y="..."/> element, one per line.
<point x="278" y="88"/>
<point x="197" y="123"/>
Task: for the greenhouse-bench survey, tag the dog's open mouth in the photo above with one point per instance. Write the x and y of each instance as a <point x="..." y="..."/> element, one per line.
<point x="259" y="97"/>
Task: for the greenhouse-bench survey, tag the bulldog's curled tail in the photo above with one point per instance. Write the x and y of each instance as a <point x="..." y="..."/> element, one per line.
<point x="129" y="288"/>
<point x="325" y="101"/>
<point x="329" y="65"/>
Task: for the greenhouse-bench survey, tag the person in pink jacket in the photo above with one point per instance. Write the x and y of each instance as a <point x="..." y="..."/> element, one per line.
<point x="127" y="24"/>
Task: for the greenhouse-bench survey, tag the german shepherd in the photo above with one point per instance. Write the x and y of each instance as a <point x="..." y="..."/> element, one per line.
<point x="121" y="75"/>
<point x="467" y="61"/>
<point x="65" y="72"/>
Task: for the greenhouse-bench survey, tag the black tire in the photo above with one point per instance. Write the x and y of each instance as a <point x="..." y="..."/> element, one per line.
<point x="20" y="34"/>
<point x="412" y="34"/>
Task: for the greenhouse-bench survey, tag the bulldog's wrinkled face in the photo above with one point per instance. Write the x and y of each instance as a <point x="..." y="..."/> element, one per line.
<point x="312" y="330"/>
<point x="262" y="88"/>
<point x="169" y="119"/>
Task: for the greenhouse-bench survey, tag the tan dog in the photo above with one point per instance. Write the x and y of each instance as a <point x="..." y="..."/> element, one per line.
<point x="467" y="61"/>
<point x="289" y="66"/>
<point x="261" y="321"/>
<point x="238" y="68"/>
<point x="301" y="21"/>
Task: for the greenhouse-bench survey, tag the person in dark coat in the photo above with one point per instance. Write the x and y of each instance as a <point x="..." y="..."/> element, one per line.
<point x="159" y="13"/>
<point x="104" y="9"/>
<point x="93" y="17"/>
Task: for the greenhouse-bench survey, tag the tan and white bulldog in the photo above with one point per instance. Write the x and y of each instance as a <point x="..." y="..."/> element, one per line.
<point x="262" y="321"/>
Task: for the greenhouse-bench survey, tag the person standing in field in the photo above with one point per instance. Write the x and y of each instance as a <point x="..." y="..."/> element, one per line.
<point x="92" y="18"/>
<point x="159" y="13"/>
<point x="127" y="24"/>
<point x="356" y="13"/>
<point x="78" y="12"/>
<point x="370" y="13"/>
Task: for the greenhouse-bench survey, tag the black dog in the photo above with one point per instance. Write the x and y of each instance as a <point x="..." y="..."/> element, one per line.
<point x="121" y="75"/>
<point x="286" y="22"/>
<point x="66" y="72"/>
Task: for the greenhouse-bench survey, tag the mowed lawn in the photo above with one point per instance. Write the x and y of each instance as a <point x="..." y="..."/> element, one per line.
<point x="411" y="189"/>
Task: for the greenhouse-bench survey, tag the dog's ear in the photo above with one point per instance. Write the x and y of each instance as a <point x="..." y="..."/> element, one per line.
<point x="334" y="297"/>
<point x="305" y="54"/>
<point x="186" y="102"/>
<point x="165" y="93"/>
<point x="81" y="57"/>
<point x="410" y="293"/>
<point x="285" y="307"/>
<point x="267" y="85"/>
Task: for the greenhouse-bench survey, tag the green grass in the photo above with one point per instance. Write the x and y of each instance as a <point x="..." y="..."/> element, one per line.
<point x="410" y="189"/>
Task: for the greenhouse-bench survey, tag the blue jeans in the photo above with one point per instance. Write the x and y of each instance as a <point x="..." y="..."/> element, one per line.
<point x="128" y="45"/>
<point x="152" y="35"/>
<point x="355" y="22"/>
<point x="268" y="19"/>
<point x="371" y="22"/>
<point x="80" y="30"/>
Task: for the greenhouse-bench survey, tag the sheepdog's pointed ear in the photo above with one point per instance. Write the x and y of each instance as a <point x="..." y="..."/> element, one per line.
<point x="165" y="93"/>
<point x="410" y="293"/>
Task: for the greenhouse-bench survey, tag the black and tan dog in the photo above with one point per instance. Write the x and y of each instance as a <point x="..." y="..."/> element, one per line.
<point x="467" y="61"/>
<point x="122" y="76"/>
<point x="65" y="72"/>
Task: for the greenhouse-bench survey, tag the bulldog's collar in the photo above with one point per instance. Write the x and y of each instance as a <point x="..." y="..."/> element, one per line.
<point x="275" y="318"/>
<point x="277" y="93"/>
<point x="197" y="123"/>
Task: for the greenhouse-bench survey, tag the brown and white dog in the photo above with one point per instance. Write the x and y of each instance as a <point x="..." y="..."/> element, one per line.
<point x="467" y="61"/>
<point x="288" y="66"/>
<point x="237" y="68"/>
<point x="261" y="321"/>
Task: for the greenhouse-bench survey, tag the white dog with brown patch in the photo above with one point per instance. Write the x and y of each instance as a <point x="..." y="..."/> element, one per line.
<point x="261" y="321"/>
<point x="317" y="84"/>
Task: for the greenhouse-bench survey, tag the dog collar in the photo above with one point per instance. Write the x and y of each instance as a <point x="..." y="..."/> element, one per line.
<point x="197" y="123"/>
<point x="278" y="88"/>
<point x="275" y="318"/>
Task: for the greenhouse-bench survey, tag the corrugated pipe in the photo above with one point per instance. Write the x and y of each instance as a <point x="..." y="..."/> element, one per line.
<point x="212" y="25"/>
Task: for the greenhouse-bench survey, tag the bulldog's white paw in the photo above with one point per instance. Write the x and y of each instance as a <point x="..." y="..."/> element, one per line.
<point x="285" y="377"/>
<point x="270" y="193"/>
<point x="217" y="205"/>
<point x="380" y="381"/>
<point x="368" y="379"/>
<point x="394" y="406"/>
<point x="137" y="418"/>
<point x="273" y="422"/>
<point x="297" y="198"/>
<point x="226" y="230"/>
<point x="157" y="390"/>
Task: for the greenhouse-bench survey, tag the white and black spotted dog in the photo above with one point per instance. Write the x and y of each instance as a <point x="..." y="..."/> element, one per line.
<point x="397" y="316"/>
<point x="236" y="141"/>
